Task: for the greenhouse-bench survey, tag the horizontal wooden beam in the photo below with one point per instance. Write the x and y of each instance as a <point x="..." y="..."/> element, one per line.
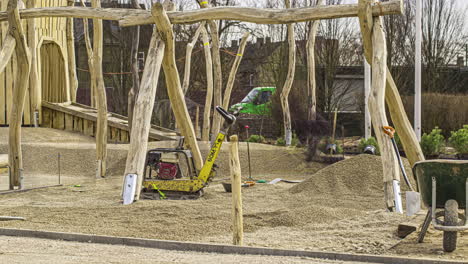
<point x="134" y="17"/>
<point x="266" y="15"/>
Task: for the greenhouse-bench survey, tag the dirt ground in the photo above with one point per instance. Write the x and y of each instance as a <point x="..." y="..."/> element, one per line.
<point x="338" y="208"/>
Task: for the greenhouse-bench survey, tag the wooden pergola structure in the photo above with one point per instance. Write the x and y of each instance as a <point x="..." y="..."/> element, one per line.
<point x="162" y="54"/>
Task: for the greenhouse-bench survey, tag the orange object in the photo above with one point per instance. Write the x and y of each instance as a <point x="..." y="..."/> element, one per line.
<point x="390" y="131"/>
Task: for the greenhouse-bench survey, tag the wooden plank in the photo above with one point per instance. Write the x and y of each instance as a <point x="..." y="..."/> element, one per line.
<point x="59" y="120"/>
<point x="115" y="134"/>
<point x="68" y="122"/>
<point x="46" y="118"/>
<point x="77" y="124"/>
<point x="88" y="127"/>
<point x="124" y="136"/>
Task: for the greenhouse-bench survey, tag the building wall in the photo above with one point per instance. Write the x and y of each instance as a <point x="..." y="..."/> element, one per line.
<point x="50" y="32"/>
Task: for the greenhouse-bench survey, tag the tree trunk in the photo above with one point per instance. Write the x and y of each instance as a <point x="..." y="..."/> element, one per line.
<point x="289" y="82"/>
<point x="311" y="80"/>
<point x="209" y="87"/>
<point x="15" y="157"/>
<point x="133" y="93"/>
<point x="73" y="79"/>
<point x="188" y="57"/>
<point x="136" y="156"/>
<point x="174" y="89"/>
<point x="101" y="100"/>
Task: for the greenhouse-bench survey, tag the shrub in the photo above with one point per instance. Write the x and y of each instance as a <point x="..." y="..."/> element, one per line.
<point x="459" y="140"/>
<point x="294" y="140"/>
<point x="369" y="142"/>
<point x="280" y="142"/>
<point x="432" y="143"/>
<point x="256" y="139"/>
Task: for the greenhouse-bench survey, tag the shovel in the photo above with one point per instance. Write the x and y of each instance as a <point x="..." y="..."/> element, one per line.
<point x="413" y="198"/>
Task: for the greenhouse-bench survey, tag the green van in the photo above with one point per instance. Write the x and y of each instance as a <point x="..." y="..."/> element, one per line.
<point x="257" y="102"/>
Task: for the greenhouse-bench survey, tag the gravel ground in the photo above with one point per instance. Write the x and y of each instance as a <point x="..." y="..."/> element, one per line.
<point x="338" y="209"/>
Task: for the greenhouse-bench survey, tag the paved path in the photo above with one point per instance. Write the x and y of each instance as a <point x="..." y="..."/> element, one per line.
<point x="34" y="250"/>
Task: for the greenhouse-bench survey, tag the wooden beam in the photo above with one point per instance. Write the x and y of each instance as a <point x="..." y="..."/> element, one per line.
<point x="143" y="110"/>
<point x="311" y="80"/>
<point x="23" y="55"/>
<point x="73" y="79"/>
<point x="284" y="96"/>
<point x="101" y="99"/>
<point x="209" y="87"/>
<point x="267" y="15"/>
<point x="174" y="89"/>
<point x="132" y="17"/>
<point x="188" y="57"/>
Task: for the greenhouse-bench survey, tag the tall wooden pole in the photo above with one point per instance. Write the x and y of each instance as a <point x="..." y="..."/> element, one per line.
<point x="367" y="88"/>
<point x="417" y="82"/>
<point x="311" y="80"/>
<point x="218" y="74"/>
<point x="209" y="87"/>
<point x="133" y="93"/>
<point x="23" y="55"/>
<point x="101" y="99"/>
<point x="143" y="110"/>
<point x="174" y="89"/>
<point x="284" y="97"/>
<point x="188" y="57"/>
<point x="376" y="54"/>
<point x="73" y="79"/>
<point x="237" y="218"/>
<point x="34" y="85"/>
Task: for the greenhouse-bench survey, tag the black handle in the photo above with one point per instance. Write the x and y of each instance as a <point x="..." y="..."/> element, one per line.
<point x="228" y="117"/>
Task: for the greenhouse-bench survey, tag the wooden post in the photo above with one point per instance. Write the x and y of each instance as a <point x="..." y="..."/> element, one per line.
<point x="218" y="74"/>
<point x="311" y="82"/>
<point x="23" y="55"/>
<point x="209" y="87"/>
<point x="237" y="221"/>
<point x="197" y="124"/>
<point x="101" y="100"/>
<point x="73" y="79"/>
<point x="188" y="57"/>
<point x="143" y="110"/>
<point x="232" y="75"/>
<point x="34" y="85"/>
<point x="174" y="89"/>
<point x="367" y="87"/>
<point x="376" y="54"/>
<point x="133" y="93"/>
<point x="289" y="82"/>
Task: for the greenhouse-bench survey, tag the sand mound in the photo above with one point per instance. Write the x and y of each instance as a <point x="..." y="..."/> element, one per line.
<point x="360" y="175"/>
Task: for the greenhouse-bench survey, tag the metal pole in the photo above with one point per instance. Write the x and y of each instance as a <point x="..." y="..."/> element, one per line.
<point x="367" y="86"/>
<point x="417" y="80"/>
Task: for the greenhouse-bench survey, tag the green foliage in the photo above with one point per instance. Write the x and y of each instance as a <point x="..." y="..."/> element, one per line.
<point x="369" y="142"/>
<point x="339" y="149"/>
<point x="432" y="143"/>
<point x="294" y="140"/>
<point x="459" y="140"/>
<point x="280" y="141"/>
<point x="256" y="139"/>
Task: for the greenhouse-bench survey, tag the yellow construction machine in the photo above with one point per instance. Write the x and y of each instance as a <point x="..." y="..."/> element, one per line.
<point x="170" y="172"/>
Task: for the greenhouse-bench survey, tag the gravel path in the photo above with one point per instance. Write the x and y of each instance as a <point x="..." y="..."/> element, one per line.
<point x="33" y="250"/>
